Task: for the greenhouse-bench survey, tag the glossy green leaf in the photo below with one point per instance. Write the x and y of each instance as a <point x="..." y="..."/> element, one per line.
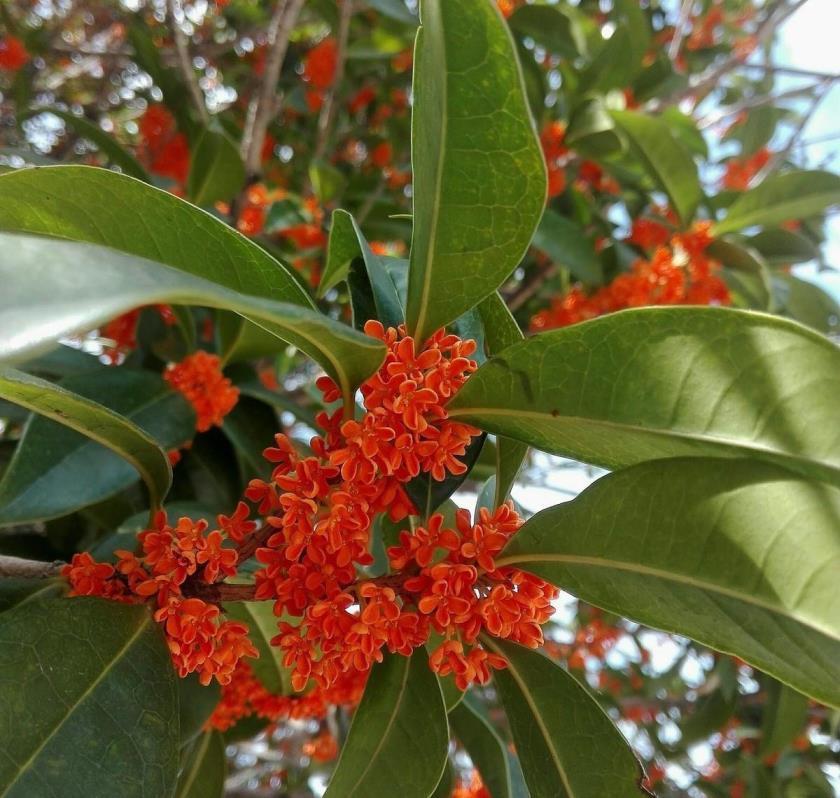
<point x="780" y="198"/>
<point x="501" y="331"/>
<point x="57" y="467"/>
<point x="204" y="768"/>
<point x="785" y="717"/>
<point x="259" y="617"/>
<point x="486" y="749"/>
<point x="666" y="382"/>
<point x="479" y="176"/>
<point x="95" y="422"/>
<point x="666" y="160"/>
<point x="105" y="142"/>
<point x="216" y="170"/>
<point x="88" y="704"/>
<point x="195" y="701"/>
<point x="741" y="556"/>
<point x="591" y="131"/>
<point x="806" y="302"/>
<point x="54" y="288"/>
<point x="399" y="737"/>
<point x="553" y="27"/>
<point x="615" y="63"/>
<point x="567" y="745"/>
<point x="783" y="247"/>
<point x="568" y="246"/>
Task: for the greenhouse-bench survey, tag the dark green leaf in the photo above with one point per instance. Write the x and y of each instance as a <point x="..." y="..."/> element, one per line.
<point x="53" y="288"/>
<point x="783" y="247"/>
<point x="486" y="749"/>
<point x="780" y="198"/>
<point x="714" y="553"/>
<point x="567" y="745"/>
<point x="568" y="246"/>
<point x="103" y="421"/>
<point x="479" y="176"/>
<point x="552" y="27"/>
<point x="88" y="699"/>
<point x="614" y="65"/>
<point x="195" y="703"/>
<point x="668" y="163"/>
<point x="399" y="737"/>
<point x="93" y="421"/>
<point x="666" y="382"/>
<point x="204" y="769"/>
<point x="251" y="426"/>
<point x="591" y="130"/>
<point x="806" y="302"/>
<point x="216" y="170"/>
<point x="784" y="718"/>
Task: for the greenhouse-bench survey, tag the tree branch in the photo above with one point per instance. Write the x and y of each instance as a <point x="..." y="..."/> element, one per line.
<point x="18" y="568"/>
<point x="182" y="48"/>
<point x="754" y="102"/>
<point x="262" y="107"/>
<point x="679" y="32"/>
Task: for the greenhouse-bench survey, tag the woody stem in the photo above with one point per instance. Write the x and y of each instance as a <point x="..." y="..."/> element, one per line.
<point x="19" y="568"/>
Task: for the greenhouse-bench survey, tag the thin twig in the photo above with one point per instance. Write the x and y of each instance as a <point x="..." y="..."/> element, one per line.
<point x="679" y="32"/>
<point x="263" y="107"/>
<point x="794" y="71"/>
<point x="182" y="48"/>
<point x="19" y="568"/>
<point x="327" y="115"/>
<point x="754" y="102"/>
<point x="530" y="287"/>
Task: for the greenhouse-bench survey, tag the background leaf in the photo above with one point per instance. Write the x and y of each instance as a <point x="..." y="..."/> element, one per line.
<point x="479" y="176"/>
<point x="567" y="246"/>
<point x="70" y="677"/>
<point x="665" y="382"/>
<point x="486" y="749"/>
<point x="216" y="170"/>
<point x="399" y="737"/>
<point x="204" y="768"/>
<point x="742" y="558"/>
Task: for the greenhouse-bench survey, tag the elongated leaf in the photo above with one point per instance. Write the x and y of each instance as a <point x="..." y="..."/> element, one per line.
<point x="203" y="772"/>
<point x="785" y="717"/>
<point x="502" y="331"/>
<point x="554" y="27"/>
<point x="399" y="737"/>
<point x="567" y="245"/>
<point x="666" y="160"/>
<point x="567" y="745"/>
<point x="345" y="245"/>
<point x="806" y="302"/>
<point x="262" y="625"/>
<point x="104" y="141"/>
<point x="666" y="382"/>
<point x="94" y="421"/>
<point x="88" y="704"/>
<point x="216" y="170"/>
<point x="195" y="701"/>
<point x="779" y="198"/>
<point x="615" y="63"/>
<point x="486" y="749"/>
<point x="783" y="247"/>
<point x="52" y="288"/>
<point x="479" y="176"/>
<point x="741" y="556"/>
<point x="58" y="467"/>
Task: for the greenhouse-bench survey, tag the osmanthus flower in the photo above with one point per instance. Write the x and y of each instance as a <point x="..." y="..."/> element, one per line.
<point x="741" y="171"/>
<point x="165" y="150"/>
<point x="13" y="53"/>
<point x="199" y="378"/>
<point x="677" y="273"/>
<point x="471" y="787"/>
<point x="119" y="336"/>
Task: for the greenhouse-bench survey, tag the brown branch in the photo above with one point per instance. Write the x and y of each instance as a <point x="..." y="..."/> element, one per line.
<point x="263" y="107"/>
<point x="679" y="32"/>
<point x="182" y="48"/>
<point x="754" y="102"/>
<point x="530" y="286"/>
<point x="327" y="115"/>
<point x="18" y="568"/>
<point x="220" y="592"/>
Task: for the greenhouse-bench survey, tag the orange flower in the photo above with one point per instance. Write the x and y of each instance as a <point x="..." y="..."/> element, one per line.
<point x="13" y="54"/>
<point x="199" y="378"/>
<point x="740" y="172"/>
<point x="320" y="63"/>
<point x="166" y="150"/>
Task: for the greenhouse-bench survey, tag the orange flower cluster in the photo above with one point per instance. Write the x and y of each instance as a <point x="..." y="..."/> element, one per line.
<point x="679" y="273"/>
<point x="121" y="332"/>
<point x="557" y="155"/>
<point x="245" y="695"/>
<point x="13" y="54"/>
<point x="593" y="640"/>
<point x="167" y="150"/>
<point x="199" y="378"/>
<point x="472" y="788"/>
<point x="741" y="171"/>
<point x="198" y="639"/>
<point x="319" y="67"/>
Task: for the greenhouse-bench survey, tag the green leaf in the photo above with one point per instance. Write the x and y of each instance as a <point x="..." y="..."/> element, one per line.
<point x="783" y="247"/>
<point x="742" y="558"/>
<point x="345" y="245"/>
<point x="195" y="701"/>
<point x="259" y="617"/>
<point x="753" y="278"/>
<point x="479" y="176"/>
<point x="567" y="745"/>
<point x="204" y="769"/>
<point x="251" y="426"/>
<point x="327" y="181"/>
<point x="486" y="749"/>
<point x="399" y="737"/>
<point x="216" y="170"/>
<point x="88" y="704"/>
<point x="666" y="160"/>
<point x="96" y="422"/>
<point x="785" y="716"/>
<point x="447" y="783"/>
<point x="53" y="288"/>
<point x="806" y="302"/>
<point x="568" y="246"/>
<point x="614" y="65"/>
<point x="708" y="715"/>
<point x="665" y="382"/>
<point x="118" y="416"/>
<point x="591" y="130"/>
<point x="780" y="198"/>
<point x="501" y="331"/>
<point x="105" y="142"/>
<point x="552" y="27"/>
